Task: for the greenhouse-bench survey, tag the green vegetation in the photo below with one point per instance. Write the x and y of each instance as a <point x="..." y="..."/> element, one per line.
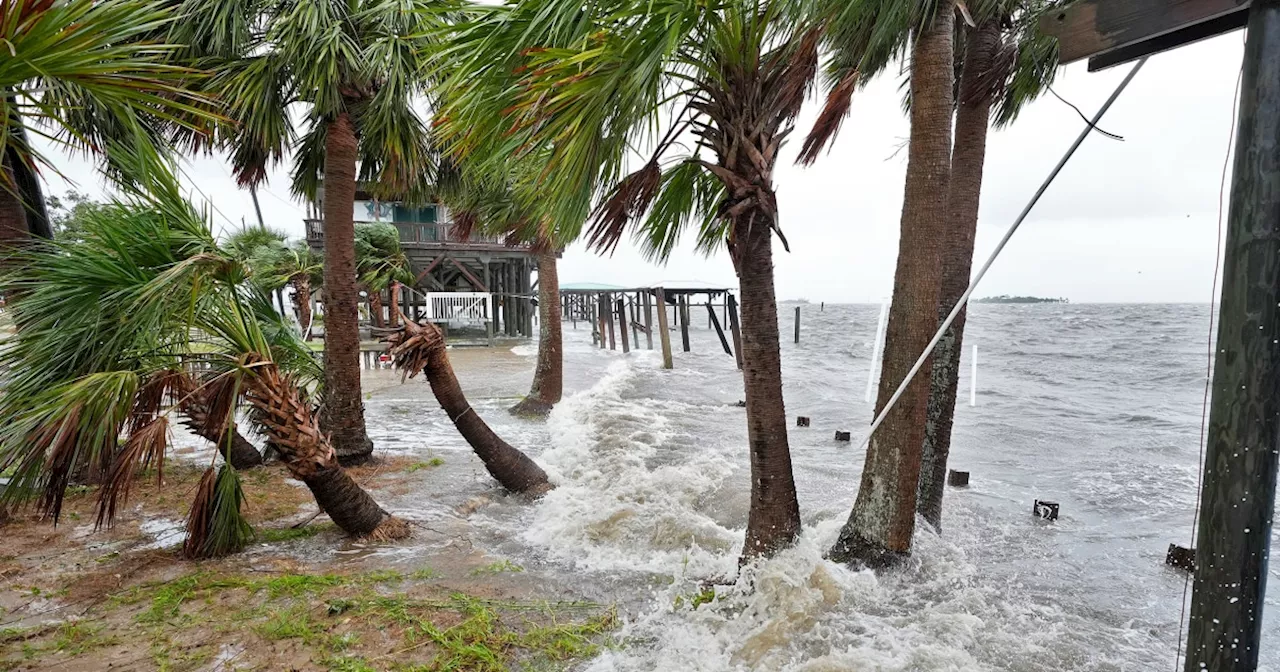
<point x="273" y="535"/>
<point x="418" y="466"/>
<point x="1005" y="298"/>
<point x="499" y="567"/>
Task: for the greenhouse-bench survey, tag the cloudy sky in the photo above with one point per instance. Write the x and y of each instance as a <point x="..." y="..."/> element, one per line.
<point x="1131" y="221"/>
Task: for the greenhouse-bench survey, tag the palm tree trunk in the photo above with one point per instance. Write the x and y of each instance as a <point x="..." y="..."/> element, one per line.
<point x="194" y="406"/>
<point x="13" y="217"/>
<point x="967" y="157"/>
<point x="291" y="426"/>
<point x="343" y="408"/>
<point x="422" y="348"/>
<point x="773" y="522"/>
<point x="882" y="522"/>
<point x="548" y="376"/>
<point x="375" y="309"/>
<point x="302" y="302"/>
<point x="23" y="212"/>
<point x="393" y="313"/>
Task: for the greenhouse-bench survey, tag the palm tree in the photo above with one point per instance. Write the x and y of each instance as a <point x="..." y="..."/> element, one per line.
<point x="382" y="265"/>
<point x="148" y="308"/>
<point x="70" y="70"/>
<point x="302" y="269"/>
<point x="356" y="68"/>
<point x="1006" y="64"/>
<point x="865" y="37"/>
<point x="584" y="83"/>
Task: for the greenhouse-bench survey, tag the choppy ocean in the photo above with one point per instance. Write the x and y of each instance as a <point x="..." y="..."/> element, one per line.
<point x="1096" y="407"/>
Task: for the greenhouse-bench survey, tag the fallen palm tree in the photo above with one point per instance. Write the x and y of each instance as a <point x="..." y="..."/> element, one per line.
<point x="421" y="347"/>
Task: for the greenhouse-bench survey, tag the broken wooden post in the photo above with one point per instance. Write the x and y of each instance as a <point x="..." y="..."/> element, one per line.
<point x="802" y="421"/>
<point x="664" y="334"/>
<point x="608" y="309"/>
<point x="843" y="436"/>
<point x="735" y="329"/>
<point x="602" y="313"/>
<point x="1181" y="557"/>
<point x="957" y="479"/>
<point x="648" y="319"/>
<point x="797" y="324"/>
<point x="715" y="322"/>
<point x="1045" y="510"/>
<point x="622" y="325"/>
<point x="682" y="308"/>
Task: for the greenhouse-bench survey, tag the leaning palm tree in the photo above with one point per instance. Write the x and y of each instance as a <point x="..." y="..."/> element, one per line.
<point x="147" y="308"/>
<point x="302" y="269"/>
<point x="72" y="69"/>
<point x="355" y="69"/>
<point x="585" y="83"/>
<point x="865" y="37"/>
<point x="381" y="264"/>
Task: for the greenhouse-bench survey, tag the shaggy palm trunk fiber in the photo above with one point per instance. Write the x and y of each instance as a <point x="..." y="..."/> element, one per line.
<point x="422" y="348"/>
<point x="293" y="429"/>
<point x="548" y="376"/>
<point x="880" y="528"/>
<point x="302" y="303"/>
<point x="967" y="158"/>
<point x="343" y="407"/>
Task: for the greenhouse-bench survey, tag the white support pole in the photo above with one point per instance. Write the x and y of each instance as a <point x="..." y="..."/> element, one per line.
<point x="877" y="347"/>
<point x="973" y="378"/>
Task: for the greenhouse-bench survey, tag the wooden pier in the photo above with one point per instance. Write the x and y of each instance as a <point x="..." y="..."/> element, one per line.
<point x="625" y="314"/>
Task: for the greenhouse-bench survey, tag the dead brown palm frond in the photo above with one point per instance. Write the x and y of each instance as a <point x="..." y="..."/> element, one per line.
<point x="465" y="221"/>
<point x="152" y="395"/>
<point x="214" y="525"/>
<point x="412" y="346"/>
<point x="800" y="71"/>
<point x="145" y="447"/>
<point x="828" y="123"/>
<point x="630" y="199"/>
<point x="219" y="396"/>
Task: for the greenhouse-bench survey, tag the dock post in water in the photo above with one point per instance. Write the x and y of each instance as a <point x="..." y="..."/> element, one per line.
<point x="622" y="324"/>
<point x="1238" y="495"/>
<point x="715" y="322"/>
<point x="682" y="308"/>
<point x="664" y="334"/>
<point x="602" y="313"/>
<point x="735" y="329"/>
<point x="607" y="305"/>
<point x="648" y="319"/>
<point x="797" y="324"/>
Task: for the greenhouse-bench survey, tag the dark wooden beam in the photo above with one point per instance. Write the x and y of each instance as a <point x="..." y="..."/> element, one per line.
<point x="430" y="267"/>
<point x="1110" y="32"/>
<point x="475" y="282"/>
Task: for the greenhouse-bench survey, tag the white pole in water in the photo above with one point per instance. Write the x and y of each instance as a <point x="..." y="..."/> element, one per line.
<point x="973" y="284"/>
<point x="973" y="378"/>
<point x="876" y="348"/>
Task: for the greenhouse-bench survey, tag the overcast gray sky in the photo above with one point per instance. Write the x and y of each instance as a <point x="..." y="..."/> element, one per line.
<point x="1131" y="221"/>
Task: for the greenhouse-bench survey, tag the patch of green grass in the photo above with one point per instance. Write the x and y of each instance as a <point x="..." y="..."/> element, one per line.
<point x="349" y="664"/>
<point x="424" y="574"/>
<point x="76" y="637"/>
<point x="418" y="466"/>
<point x="272" y="535"/>
<point x="102" y="559"/>
<point x="500" y="567"/>
<point x="291" y="623"/>
<point x="705" y="596"/>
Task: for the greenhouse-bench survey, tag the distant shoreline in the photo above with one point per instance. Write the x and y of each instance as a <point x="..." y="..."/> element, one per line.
<point x="1005" y="298"/>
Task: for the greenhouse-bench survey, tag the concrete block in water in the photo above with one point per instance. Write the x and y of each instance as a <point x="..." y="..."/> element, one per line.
<point x="843" y="436"/>
<point x="1045" y="510"/>
<point x="802" y="421"/>
<point x="1181" y="557"/>
<point x="957" y="479"/>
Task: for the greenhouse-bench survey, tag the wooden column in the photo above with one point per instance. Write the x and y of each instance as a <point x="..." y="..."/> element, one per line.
<point x="1238" y="495"/>
<point x="664" y="334"/>
<point x="797" y="324"/>
<point x="601" y="317"/>
<point x="648" y="319"/>
<point x="682" y="308"/>
<point x="622" y="324"/>
<point x="735" y="328"/>
<point x="711" y="317"/>
<point x="607" y="304"/>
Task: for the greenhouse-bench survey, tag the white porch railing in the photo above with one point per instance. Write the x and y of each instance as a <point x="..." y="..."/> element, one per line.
<point x="459" y="307"/>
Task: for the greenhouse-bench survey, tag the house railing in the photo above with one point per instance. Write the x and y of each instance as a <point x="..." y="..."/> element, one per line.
<point x="411" y="233"/>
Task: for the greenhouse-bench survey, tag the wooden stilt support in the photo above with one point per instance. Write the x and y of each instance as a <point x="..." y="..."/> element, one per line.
<point x="622" y="324"/>
<point x="683" y="309"/>
<point x="797" y="324"/>
<point x="648" y="319"/>
<point x="664" y="334"/>
<point x="602" y="314"/>
<point x="735" y="329"/>
<point x="711" y="317"/>
<point x="608" y="309"/>
<point x="1240" y="460"/>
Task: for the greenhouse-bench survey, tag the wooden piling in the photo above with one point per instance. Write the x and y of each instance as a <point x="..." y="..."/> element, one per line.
<point x="682" y="307"/>
<point x="648" y="319"/>
<point x="601" y="317"/>
<point x="735" y="329"/>
<point x="608" y="309"/>
<point x="622" y="324"/>
<point x="797" y="324"/>
<point x="715" y="322"/>
<point x="664" y="334"/>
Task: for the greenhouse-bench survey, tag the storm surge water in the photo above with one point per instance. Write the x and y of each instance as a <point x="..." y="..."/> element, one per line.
<point x="1093" y="406"/>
